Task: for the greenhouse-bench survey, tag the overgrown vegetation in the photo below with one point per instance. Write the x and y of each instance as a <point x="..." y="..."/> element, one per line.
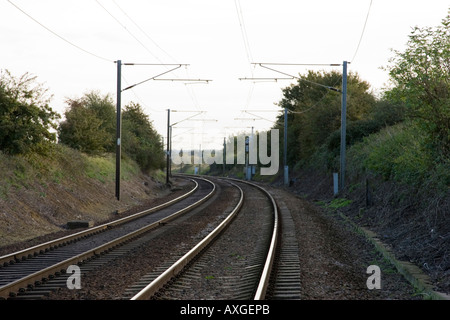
<point x="315" y="111"/>
<point x="420" y="76"/>
<point x="90" y="126"/>
<point x="59" y="165"/>
<point x="54" y="171"/>
<point x="398" y="149"/>
<point x="400" y="153"/>
<point x="402" y="136"/>
<point x="29" y="126"/>
<point x="141" y="142"/>
<point x="26" y="119"/>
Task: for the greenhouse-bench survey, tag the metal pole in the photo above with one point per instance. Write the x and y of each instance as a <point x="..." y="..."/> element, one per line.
<point x="168" y="143"/>
<point x="170" y="151"/>
<point x="224" y="155"/>
<point x="247" y="148"/>
<point x="118" y="128"/>
<point x="252" y="150"/>
<point x="285" y="168"/>
<point x="343" y="124"/>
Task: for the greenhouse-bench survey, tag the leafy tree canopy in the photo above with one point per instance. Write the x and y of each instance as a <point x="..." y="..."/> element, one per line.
<point x="315" y="111"/>
<point x="420" y="76"/>
<point x="89" y="124"/>
<point x="141" y="142"/>
<point x="26" y="119"/>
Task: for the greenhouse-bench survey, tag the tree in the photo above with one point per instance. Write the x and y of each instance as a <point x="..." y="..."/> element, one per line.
<point x="420" y="76"/>
<point x="26" y="119"/>
<point x="141" y="142"/>
<point x="89" y="124"/>
<point x="104" y="108"/>
<point x="315" y="111"/>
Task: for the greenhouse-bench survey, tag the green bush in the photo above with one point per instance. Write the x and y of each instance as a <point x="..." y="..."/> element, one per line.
<point x="26" y="119"/>
<point x="89" y="125"/>
<point x="398" y="152"/>
<point x="315" y="112"/>
<point x="141" y="142"/>
<point x="382" y="114"/>
<point x="420" y="76"/>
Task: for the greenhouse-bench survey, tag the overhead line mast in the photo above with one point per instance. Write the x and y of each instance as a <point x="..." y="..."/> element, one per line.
<point x="119" y="116"/>
<point x="343" y="110"/>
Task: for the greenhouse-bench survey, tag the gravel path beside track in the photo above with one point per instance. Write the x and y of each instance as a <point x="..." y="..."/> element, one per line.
<point x="334" y="258"/>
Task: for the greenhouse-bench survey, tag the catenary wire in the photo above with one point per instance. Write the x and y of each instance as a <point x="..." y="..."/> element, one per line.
<point x="246" y="46"/>
<point x="129" y="32"/>
<point x="243" y="31"/>
<point x="143" y="32"/>
<point x="362" y="33"/>
<point x="190" y="92"/>
<point x="57" y="35"/>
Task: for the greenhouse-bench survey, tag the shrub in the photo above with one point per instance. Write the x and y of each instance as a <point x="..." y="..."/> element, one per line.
<point x="141" y="142"/>
<point x="420" y="76"/>
<point x="398" y="152"/>
<point x="315" y="112"/>
<point x="26" y="119"/>
<point x="89" y="125"/>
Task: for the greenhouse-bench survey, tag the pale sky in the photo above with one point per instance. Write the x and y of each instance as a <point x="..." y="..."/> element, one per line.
<point x="218" y="39"/>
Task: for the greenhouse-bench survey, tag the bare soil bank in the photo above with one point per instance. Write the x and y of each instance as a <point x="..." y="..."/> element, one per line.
<point x="38" y="210"/>
<point x="416" y="226"/>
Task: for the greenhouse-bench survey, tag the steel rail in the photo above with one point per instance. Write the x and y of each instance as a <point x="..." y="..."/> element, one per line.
<point x="152" y="288"/>
<point x="41" y="248"/>
<point x="181" y="263"/>
<point x="268" y="265"/>
<point x="32" y="279"/>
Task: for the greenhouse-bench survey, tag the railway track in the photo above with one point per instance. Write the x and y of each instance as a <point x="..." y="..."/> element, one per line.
<point x="235" y="260"/>
<point x="285" y="281"/>
<point x="22" y="271"/>
<point x="237" y="252"/>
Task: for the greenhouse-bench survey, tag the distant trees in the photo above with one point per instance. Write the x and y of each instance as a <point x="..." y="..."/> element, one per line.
<point x="90" y="126"/>
<point x="416" y="108"/>
<point x="26" y="119"/>
<point x="315" y="111"/>
<point x="141" y="142"/>
<point x="28" y="124"/>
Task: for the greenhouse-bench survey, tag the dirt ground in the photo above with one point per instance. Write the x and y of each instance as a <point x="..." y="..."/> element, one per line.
<point x="334" y="258"/>
<point x="416" y="226"/>
<point x="27" y="219"/>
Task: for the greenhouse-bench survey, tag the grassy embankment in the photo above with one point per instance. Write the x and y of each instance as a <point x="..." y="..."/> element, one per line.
<point x="40" y="194"/>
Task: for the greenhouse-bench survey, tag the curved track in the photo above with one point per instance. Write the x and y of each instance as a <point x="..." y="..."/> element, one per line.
<point x="23" y="270"/>
<point x="253" y="228"/>
<point x="221" y="240"/>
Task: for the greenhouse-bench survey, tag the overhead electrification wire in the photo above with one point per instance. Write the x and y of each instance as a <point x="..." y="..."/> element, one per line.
<point x="143" y="32"/>
<point x="57" y="35"/>
<point x="138" y="98"/>
<point x="299" y="78"/>
<point x="243" y="31"/>
<point x="190" y="92"/>
<point x="248" y="51"/>
<point x="362" y="33"/>
<point x="330" y="88"/>
<point x="131" y="34"/>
